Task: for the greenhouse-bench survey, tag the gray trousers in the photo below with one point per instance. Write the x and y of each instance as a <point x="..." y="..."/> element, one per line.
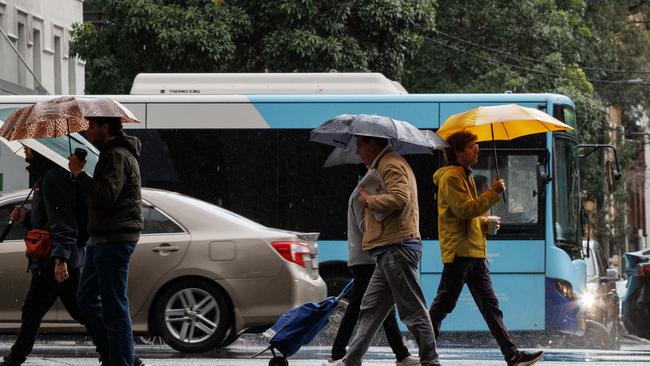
<point x="394" y="282"/>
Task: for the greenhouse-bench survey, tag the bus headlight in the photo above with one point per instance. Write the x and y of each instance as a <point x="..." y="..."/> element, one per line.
<point x="564" y="288"/>
<point x="587" y="300"/>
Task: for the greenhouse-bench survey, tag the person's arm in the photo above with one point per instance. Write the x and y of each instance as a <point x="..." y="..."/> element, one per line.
<point x="461" y="202"/>
<point x="104" y="188"/>
<point x="397" y="190"/>
<point x="358" y="213"/>
<point x="58" y="197"/>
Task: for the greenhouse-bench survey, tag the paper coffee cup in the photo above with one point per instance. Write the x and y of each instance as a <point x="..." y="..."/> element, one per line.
<point x="492" y="224"/>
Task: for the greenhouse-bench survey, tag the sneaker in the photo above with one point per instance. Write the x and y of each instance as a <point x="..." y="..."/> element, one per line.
<point x="332" y="362"/>
<point x="11" y="360"/>
<point x="522" y="358"/>
<point x="138" y="362"/>
<point x="409" y="361"/>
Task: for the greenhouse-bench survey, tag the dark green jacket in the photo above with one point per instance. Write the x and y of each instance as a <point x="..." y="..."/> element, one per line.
<point x="114" y="197"/>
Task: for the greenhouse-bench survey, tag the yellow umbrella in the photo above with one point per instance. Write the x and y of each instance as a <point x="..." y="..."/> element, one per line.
<point x="501" y="122"/>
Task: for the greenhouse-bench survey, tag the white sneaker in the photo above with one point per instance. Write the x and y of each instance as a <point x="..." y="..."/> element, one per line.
<point x="331" y="362"/>
<point x="409" y="361"/>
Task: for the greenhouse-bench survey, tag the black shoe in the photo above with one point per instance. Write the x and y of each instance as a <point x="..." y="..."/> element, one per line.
<point x="12" y="360"/>
<point x="138" y="362"/>
<point x="522" y="358"/>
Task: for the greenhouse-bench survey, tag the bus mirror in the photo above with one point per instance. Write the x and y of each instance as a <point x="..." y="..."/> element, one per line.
<point x="542" y="177"/>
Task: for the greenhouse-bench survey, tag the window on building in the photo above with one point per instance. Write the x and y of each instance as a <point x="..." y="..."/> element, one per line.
<point x="37" y="50"/>
<point x="72" y="75"/>
<point x="58" y="89"/>
<point x="21" y="45"/>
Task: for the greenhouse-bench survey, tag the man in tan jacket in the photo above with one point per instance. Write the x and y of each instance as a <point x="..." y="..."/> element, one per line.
<point x="395" y="243"/>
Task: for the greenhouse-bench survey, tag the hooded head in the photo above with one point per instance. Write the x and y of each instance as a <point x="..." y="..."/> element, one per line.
<point x="38" y="165"/>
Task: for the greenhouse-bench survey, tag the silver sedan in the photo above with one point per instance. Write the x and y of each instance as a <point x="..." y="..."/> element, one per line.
<point x="200" y="275"/>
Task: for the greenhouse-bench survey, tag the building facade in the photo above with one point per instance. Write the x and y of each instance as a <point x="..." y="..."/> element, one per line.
<point x="35" y="59"/>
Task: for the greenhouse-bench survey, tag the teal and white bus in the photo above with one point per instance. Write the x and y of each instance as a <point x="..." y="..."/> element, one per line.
<point x="242" y="141"/>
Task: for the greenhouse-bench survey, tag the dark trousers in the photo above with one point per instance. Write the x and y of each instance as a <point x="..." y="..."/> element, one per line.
<point x="43" y="292"/>
<point x="361" y="275"/>
<point x="475" y="273"/>
<point x="103" y="299"/>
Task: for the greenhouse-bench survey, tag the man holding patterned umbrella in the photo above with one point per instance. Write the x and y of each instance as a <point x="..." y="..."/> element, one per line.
<point x="114" y="223"/>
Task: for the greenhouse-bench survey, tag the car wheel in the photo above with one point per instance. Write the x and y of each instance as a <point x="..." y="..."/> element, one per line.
<point x="229" y="338"/>
<point x="597" y="336"/>
<point x="193" y="316"/>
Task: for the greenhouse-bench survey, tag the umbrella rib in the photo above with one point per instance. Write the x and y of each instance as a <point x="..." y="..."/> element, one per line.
<point x="548" y="129"/>
<point x="505" y="130"/>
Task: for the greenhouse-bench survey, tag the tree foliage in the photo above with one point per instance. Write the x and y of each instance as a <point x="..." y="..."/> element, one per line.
<point x="572" y="47"/>
<point x="248" y="36"/>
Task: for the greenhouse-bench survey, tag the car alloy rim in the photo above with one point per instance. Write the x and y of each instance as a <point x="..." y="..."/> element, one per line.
<point x="192" y="315"/>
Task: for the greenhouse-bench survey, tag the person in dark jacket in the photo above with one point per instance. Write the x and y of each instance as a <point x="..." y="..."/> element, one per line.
<point x="56" y="276"/>
<point x="114" y="223"/>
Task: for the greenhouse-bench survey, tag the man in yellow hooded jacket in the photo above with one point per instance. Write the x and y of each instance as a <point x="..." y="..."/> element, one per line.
<point x="461" y="231"/>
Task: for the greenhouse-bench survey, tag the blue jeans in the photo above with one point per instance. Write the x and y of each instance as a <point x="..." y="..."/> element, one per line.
<point x="103" y="300"/>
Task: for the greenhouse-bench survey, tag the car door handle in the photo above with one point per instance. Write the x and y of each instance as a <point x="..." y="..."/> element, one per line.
<point x="165" y="248"/>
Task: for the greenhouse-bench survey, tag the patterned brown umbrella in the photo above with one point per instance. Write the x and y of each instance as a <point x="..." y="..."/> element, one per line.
<point x="60" y="116"/>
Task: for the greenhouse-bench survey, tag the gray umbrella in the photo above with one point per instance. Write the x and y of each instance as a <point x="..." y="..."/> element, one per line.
<point x="340" y="156"/>
<point x="404" y="137"/>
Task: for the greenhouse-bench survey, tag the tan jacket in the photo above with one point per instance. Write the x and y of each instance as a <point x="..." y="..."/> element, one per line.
<point x="461" y="229"/>
<point x="400" y="200"/>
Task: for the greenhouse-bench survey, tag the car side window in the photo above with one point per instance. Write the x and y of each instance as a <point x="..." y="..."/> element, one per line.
<point x="17" y="231"/>
<point x="155" y="222"/>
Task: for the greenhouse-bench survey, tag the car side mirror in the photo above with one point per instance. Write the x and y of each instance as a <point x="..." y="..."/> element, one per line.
<point x="542" y="177"/>
<point x="611" y="275"/>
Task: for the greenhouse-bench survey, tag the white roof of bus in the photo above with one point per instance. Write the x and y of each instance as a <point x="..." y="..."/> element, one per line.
<point x="331" y="83"/>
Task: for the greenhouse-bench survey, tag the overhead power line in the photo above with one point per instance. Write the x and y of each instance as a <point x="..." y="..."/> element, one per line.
<point x="528" y="69"/>
<point x="521" y="57"/>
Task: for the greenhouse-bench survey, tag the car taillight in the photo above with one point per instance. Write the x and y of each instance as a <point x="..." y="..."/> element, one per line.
<point x="644" y="270"/>
<point x="293" y="251"/>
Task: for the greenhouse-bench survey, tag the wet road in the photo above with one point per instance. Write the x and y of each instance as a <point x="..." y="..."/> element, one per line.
<point x="62" y="353"/>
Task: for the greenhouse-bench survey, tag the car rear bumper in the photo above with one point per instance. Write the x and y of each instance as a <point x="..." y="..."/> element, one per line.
<point x="261" y="301"/>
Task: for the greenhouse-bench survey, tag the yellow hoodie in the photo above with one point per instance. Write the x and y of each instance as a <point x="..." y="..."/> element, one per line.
<point x="461" y="230"/>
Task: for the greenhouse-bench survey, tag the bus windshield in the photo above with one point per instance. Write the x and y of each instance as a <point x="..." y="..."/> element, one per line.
<point x="566" y="194"/>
